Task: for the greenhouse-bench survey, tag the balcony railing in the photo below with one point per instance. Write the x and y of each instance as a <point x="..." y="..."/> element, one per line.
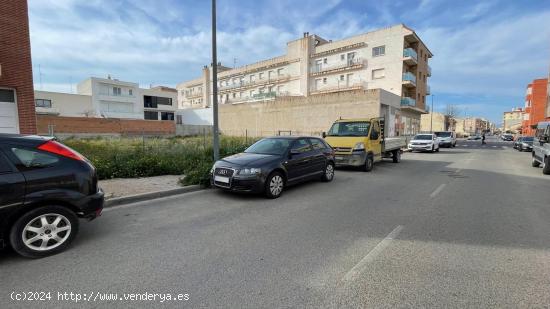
<point x="327" y="89"/>
<point x="278" y="78"/>
<point x="193" y="95"/>
<point x="428" y="90"/>
<point x="410" y="53"/>
<point x="409" y="79"/>
<point x="429" y="70"/>
<point x="258" y="97"/>
<point x="407" y="101"/>
<point x="352" y="63"/>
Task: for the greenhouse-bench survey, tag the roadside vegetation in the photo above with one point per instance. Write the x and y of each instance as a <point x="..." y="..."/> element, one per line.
<point x="137" y="157"/>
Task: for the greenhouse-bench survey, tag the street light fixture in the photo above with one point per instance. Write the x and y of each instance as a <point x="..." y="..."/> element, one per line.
<point x="215" y="130"/>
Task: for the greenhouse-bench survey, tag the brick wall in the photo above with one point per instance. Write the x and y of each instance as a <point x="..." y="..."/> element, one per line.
<point x="15" y="59"/>
<point x="100" y="126"/>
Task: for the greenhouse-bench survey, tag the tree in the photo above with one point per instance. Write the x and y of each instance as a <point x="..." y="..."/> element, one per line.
<point x="451" y="114"/>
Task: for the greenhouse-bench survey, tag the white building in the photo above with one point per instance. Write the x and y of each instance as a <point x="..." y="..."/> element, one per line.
<point x="110" y="98"/>
<point x="394" y="59"/>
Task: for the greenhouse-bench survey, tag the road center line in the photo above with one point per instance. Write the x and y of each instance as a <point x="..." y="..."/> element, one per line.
<point x="362" y="265"/>
<point x="436" y="192"/>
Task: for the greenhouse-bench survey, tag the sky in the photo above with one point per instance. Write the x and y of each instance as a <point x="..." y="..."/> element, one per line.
<point x="485" y="52"/>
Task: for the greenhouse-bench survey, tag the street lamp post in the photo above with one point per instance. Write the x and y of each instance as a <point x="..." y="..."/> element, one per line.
<point x="215" y="130"/>
<point x="432" y="115"/>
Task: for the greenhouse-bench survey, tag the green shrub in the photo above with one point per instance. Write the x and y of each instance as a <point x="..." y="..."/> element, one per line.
<point x="136" y="157"/>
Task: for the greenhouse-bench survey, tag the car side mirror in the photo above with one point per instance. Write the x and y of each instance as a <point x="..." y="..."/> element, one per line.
<point x="324" y="134"/>
<point x="543" y="139"/>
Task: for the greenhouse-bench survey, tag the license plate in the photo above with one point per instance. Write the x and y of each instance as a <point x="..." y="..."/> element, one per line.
<point x="221" y="179"/>
<point x="339" y="158"/>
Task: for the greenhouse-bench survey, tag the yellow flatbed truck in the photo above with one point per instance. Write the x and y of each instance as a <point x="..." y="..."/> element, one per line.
<point x="361" y="142"/>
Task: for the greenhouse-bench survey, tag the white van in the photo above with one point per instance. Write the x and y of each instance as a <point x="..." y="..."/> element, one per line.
<point x="541" y="147"/>
<point x="446" y="138"/>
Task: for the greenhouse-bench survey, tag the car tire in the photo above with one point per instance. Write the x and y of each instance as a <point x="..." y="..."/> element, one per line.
<point x="274" y="185"/>
<point x="433" y="149"/>
<point x="534" y="162"/>
<point x="437" y="150"/>
<point x="520" y="149"/>
<point x="369" y="163"/>
<point x="396" y="156"/>
<point x="52" y="227"/>
<point x="328" y="175"/>
<point x="546" y="168"/>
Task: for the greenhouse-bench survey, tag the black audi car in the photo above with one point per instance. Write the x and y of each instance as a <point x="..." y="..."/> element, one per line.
<point x="45" y="187"/>
<point x="271" y="164"/>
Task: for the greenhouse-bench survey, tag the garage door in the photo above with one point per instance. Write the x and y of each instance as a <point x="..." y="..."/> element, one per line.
<point x="8" y="112"/>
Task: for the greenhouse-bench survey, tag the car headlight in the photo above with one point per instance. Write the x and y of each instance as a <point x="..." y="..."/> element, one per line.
<point x="525" y="144"/>
<point x="250" y="171"/>
<point x="212" y="169"/>
<point x="359" y="146"/>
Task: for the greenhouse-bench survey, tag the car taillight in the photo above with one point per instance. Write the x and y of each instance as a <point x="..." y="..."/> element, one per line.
<point x="60" y="149"/>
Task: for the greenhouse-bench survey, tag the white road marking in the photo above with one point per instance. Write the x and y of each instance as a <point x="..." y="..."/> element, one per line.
<point x="362" y="265"/>
<point x="504" y="147"/>
<point x="494" y="146"/>
<point x="436" y="192"/>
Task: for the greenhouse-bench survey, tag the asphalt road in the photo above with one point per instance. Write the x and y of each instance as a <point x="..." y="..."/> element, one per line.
<point x="465" y="227"/>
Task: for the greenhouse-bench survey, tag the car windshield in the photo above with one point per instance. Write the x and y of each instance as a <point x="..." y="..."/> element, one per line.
<point x="423" y="137"/>
<point x="443" y="134"/>
<point x="273" y="146"/>
<point x="527" y="139"/>
<point x="355" y="128"/>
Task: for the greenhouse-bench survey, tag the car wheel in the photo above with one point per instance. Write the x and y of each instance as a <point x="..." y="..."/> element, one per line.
<point x="274" y="185"/>
<point x="534" y="162"/>
<point x="396" y="155"/>
<point x="546" y="167"/>
<point x="369" y="163"/>
<point x="329" y="172"/>
<point x="433" y="148"/>
<point x="520" y="149"/>
<point x="44" y="231"/>
<point x="437" y="150"/>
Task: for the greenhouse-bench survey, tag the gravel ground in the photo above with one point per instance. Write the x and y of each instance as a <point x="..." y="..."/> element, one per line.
<point x="130" y="186"/>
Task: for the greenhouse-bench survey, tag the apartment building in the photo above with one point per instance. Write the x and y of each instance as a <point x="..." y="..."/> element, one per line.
<point x="394" y="59"/>
<point x="536" y="105"/>
<point x="512" y="120"/>
<point x="434" y="122"/>
<point x="109" y="98"/>
<point x="17" y="113"/>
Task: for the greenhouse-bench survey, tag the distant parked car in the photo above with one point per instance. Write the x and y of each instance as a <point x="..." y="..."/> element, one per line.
<point x="45" y="187"/>
<point x="446" y="138"/>
<point x="507" y="137"/>
<point x="524" y="143"/>
<point x="541" y="147"/>
<point x="271" y="164"/>
<point x="474" y="137"/>
<point x="424" y="142"/>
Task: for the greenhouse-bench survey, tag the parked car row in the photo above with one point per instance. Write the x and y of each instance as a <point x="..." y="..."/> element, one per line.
<point x="541" y="147"/>
<point x="524" y="143"/>
<point x="45" y="187"/>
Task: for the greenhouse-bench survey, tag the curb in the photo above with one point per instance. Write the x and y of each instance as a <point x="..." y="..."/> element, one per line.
<point x="117" y="201"/>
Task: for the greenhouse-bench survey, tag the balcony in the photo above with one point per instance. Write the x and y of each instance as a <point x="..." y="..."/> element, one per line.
<point x="352" y="64"/>
<point x="258" y="97"/>
<point x="407" y="101"/>
<point x="410" y="56"/>
<point x="254" y="83"/>
<point x="193" y="95"/>
<point x="429" y="71"/>
<point x="331" y="89"/>
<point x="409" y="80"/>
<point x="428" y="90"/>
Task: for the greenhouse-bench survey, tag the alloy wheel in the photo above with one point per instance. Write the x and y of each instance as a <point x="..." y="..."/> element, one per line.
<point x="329" y="172"/>
<point x="276" y="185"/>
<point x="46" y="232"/>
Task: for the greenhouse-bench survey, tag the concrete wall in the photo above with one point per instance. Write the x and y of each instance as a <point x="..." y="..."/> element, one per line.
<point x="193" y="130"/>
<point x="66" y="104"/>
<point x="302" y="115"/>
<point x="76" y="126"/>
<point x="439" y="122"/>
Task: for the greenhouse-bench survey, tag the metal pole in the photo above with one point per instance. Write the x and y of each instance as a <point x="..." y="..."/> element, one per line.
<point x="215" y="130"/>
<point x="432" y="116"/>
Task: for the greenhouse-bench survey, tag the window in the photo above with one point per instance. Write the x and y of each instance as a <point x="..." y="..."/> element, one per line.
<point x="343" y="57"/>
<point x="43" y="103"/>
<point x="280" y="71"/>
<point x="317" y="143"/>
<point x="325" y="61"/>
<point x="342" y="78"/>
<point x="148" y="115"/>
<point x="7" y="96"/>
<point x="325" y="81"/>
<point x="153" y="101"/>
<point x="379" y="51"/>
<point x="4" y="165"/>
<point x="167" y="116"/>
<point x="301" y="146"/>
<point x="130" y="92"/>
<point x="261" y="75"/>
<point x="179" y="119"/>
<point x="351" y="58"/>
<point x="378" y="73"/>
<point x="117" y="91"/>
<point x="375" y="131"/>
<point x="252" y="77"/>
<point x="31" y="159"/>
<point x="234" y="95"/>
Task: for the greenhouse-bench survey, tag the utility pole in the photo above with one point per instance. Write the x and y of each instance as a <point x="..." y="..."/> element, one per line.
<point x="432" y="116"/>
<point x="216" y="141"/>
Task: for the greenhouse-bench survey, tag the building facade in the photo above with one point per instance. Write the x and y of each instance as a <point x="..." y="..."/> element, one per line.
<point x="536" y="105"/>
<point x="394" y="59"/>
<point x="512" y="120"/>
<point x="17" y="112"/>
<point x="109" y="98"/>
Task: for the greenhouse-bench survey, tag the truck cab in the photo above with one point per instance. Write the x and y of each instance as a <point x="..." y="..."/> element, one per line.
<point x="360" y="142"/>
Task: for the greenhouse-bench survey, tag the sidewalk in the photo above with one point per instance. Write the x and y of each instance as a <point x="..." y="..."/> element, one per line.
<point x="121" y="187"/>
